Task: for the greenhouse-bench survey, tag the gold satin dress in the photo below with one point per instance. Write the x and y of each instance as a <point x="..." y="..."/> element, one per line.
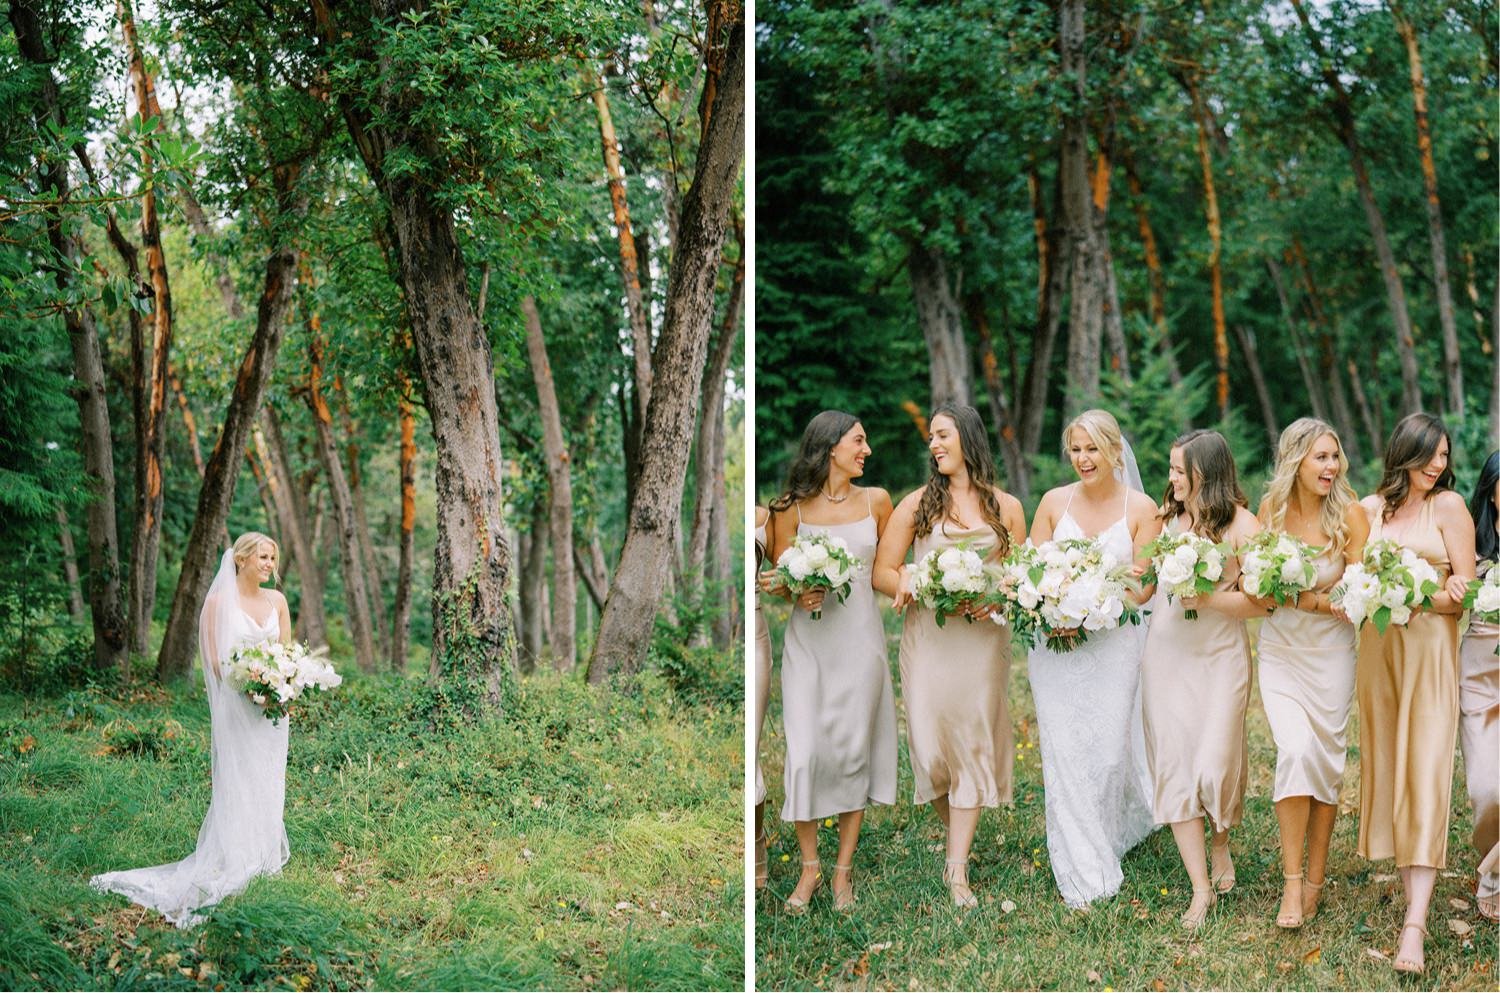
<point x="1406" y="681"/>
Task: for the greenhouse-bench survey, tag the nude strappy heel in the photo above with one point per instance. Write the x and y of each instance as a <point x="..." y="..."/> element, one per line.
<point x="796" y="904"/>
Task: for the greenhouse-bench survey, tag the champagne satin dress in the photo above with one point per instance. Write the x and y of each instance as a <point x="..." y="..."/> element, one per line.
<point x="762" y="670"/>
<point x="1479" y="733"/>
<point x="1307" y="687"/>
<point x="1406" y="681"/>
<point x="836" y="698"/>
<point x="1195" y="689"/>
<point x="953" y="686"/>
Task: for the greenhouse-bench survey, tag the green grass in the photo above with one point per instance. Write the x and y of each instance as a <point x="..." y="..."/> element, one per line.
<point x="589" y="839"/>
<point x="904" y="933"/>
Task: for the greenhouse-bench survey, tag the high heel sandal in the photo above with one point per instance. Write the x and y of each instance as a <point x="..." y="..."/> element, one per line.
<point x="842" y="901"/>
<point x="762" y="868"/>
<point x="1308" y="913"/>
<point x="798" y="905"/>
<point x="963" y="896"/>
<point x="1191" y="921"/>
<point x="1290" y="921"/>
<point x="1407" y="965"/>
<point x="1224" y="882"/>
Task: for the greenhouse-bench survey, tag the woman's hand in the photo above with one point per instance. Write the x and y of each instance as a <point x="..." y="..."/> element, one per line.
<point x="772" y="586"/>
<point x="1456" y="587"/>
<point x="1338" y="611"/>
<point x="1197" y="601"/>
<point x="812" y="600"/>
<point x="978" y="610"/>
<point x="904" y="596"/>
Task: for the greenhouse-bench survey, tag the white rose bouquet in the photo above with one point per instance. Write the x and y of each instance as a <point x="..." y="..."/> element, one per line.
<point x="950" y="579"/>
<point x="1482" y="598"/>
<point x="1061" y="591"/>
<point x="1277" y="566"/>
<point x="274" y="675"/>
<point x="817" y="561"/>
<point x="1185" y="564"/>
<point x="1386" y="586"/>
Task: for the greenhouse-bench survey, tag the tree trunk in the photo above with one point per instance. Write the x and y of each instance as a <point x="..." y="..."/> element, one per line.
<point x="1246" y="339"/>
<point x="560" y="489"/>
<point x="708" y="478"/>
<point x="1215" y="238"/>
<point x="1362" y="404"/>
<point x="362" y="533"/>
<point x="625" y="628"/>
<point x="1343" y="117"/>
<point x="219" y="474"/>
<point x="1155" y="280"/>
<point x="592" y="568"/>
<point x="1315" y="394"/>
<point x="1452" y="367"/>
<point x="312" y="625"/>
<point x="356" y="591"/>
<point x="473" y="632"/>
<point x="106" y="600"/>
<point x="630" y="269"/>
<point x="1087" y="282"/>
<point x="1017" y="471"/>
<point x="1343" y="419"/>
<point x="941" y="320"/>
<point x="1054" y="262"/>
<point x="147" y="542"/>
<point x="189" y="422"/>
<point x="401" y="613"/>
<point x="70" y="566"/>
<point x="533" y="588"/>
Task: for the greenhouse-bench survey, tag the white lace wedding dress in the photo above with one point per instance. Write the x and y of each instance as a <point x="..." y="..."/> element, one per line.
<point x="242" y="834"/>
<point x="1095" y="781"/>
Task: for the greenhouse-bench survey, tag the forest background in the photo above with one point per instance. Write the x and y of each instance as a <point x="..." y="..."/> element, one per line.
<point x="447" y="298"/>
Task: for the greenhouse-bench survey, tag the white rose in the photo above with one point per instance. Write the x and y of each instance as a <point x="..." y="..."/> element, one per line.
<point x="1174" y="571"/>
<point x="1285" y="546"/>
<point x="1394" y="595"/>
<point x="1213" y="564"/>
<point x="816" y="557"/>
<point x="1028" y="595"/>
<point x="1400" y="615"/>
<point x="1292" y="571"/>
<point x="1487" y="600"/>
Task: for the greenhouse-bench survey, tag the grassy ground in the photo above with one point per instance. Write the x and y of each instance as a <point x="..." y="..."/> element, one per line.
<point x="588" y="840"/>
<point x="904" y="933"/>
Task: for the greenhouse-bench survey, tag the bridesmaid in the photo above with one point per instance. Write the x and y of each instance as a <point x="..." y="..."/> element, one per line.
<point x="953" y="678"/>
<point x="837" y="704"/>
<point x="1088" y="700"/>
<point x="1195" y="675"/>
<point x="1307" y="655"/>
<point x="762" y="696"/>
<point x="1406" y="680"/>
<point x="1479" y="696"/>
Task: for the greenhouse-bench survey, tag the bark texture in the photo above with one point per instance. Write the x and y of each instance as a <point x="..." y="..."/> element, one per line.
<point x="560" y="493"/>
<point x="1086" y="284"/>
<point x="941" y="318"/>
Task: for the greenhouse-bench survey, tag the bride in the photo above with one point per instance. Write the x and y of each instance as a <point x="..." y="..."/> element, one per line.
<point x="1088" y="710"/>
<point x="242" y="834"/>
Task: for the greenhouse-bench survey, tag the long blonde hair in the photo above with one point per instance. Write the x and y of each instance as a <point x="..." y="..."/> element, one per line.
<point x="1296" y="441"/>
<point x="247" y="544"/>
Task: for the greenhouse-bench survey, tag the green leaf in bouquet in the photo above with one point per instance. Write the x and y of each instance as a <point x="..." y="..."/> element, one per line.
<point x="1381" y="618"/>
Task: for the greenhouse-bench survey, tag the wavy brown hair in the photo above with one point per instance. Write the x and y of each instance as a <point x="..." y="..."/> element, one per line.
<point x="936" y="504"/>
<point x="1213" y="484"/>
<point x="1412" y="445"/>
<point x="809" y="470"/>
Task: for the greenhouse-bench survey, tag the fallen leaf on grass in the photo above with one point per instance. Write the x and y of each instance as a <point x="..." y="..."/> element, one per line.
<point x="623" y="905"/>
<point x="879" y="946"/>
<point x="1458" y="904"/>
<point x="1284" y="966"/>
<point x="1458" y="927"/>
<point x="1314" y="955"/>
<point x="1383" y="877"/>
<point x="1007" y="906"/>
<point x="1377" y="955"/>
<point x="1158" y="986"/>
<point x="1093" y="976"/>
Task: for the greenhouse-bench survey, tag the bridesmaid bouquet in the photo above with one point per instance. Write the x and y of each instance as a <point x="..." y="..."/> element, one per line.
<point x="1185" y="564"/>
<point x="1277" y="566"/>
<point x="817" y="561"/>
<point x="1386" y="586"/>
<point x="949" y="579"/>
<point x="275" y="675"/>
<point x="1061" y="591"/>
<point x="1482" y="598"/>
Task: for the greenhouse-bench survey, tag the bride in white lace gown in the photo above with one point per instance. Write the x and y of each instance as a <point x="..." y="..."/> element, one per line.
<point x="242" y="834"/>
<point x="1088" y="703"/>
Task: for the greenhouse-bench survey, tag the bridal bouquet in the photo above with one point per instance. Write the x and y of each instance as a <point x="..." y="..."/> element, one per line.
<point x="1185" y="564"/>
<point x="275" y="675"/>
<point x="1062" y="591"/>
<point x="949" y="579"/>
<point x="1386" y="586"/>
<point x="1277" y="566"/>
<point x="817" y="561"/>
<point x="1482" y="598"/>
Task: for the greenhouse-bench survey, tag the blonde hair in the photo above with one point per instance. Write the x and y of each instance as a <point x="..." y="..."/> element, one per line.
<point x="248" y="544"/>
<point x="1296" y="441"/>
<point x="1103" y="430"/>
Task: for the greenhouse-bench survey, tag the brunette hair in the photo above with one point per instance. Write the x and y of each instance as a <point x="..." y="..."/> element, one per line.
<point x="936" y="504"/>
<point x="1296" y="441"/>
<point x="1413" y="443"/>
<point x="809" y="470"/>
<point x="1213" y="485"/>
<point x="1482" y="509"/>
